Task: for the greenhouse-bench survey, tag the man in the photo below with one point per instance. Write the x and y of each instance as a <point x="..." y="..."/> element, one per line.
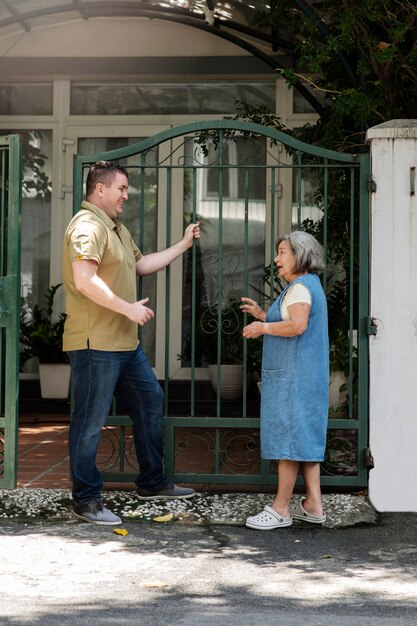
<point x="100" y="264"/>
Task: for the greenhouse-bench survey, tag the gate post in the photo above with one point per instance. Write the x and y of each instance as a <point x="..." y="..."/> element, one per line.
<point x="393" y="305"/>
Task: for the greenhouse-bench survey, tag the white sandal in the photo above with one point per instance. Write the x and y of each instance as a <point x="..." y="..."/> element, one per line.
<point x="268" y="519"/>
<point x="298" y="512"/>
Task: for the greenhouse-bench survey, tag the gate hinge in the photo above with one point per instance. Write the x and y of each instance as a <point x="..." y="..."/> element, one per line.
<point x="369" y="459"/>
<point x="67" y="142"/>
<point x="371" y="327"/>
<point x="371" y="185"/>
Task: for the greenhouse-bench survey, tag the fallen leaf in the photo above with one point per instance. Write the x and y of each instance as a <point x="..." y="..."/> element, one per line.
<point x="327" y="556"/>
<point x="120" y="531"/>
<point x="164" y="518"/>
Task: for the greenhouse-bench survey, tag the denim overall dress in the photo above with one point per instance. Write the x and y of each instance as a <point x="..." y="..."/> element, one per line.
<point x="295" y="383"/>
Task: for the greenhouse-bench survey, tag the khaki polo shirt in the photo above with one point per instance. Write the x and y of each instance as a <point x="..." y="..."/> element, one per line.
<point x="92" y="235"/>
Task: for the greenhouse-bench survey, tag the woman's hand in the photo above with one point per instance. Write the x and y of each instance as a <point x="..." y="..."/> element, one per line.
<point x="252" y="307"/>
<point x="254" y="330"/>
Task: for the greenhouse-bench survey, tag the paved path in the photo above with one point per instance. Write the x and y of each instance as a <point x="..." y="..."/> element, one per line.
<point x="69" y="572"/>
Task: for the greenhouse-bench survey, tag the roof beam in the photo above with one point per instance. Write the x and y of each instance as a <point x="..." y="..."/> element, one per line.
<point x="78" y="3"/>
<point x="16" y="15"/>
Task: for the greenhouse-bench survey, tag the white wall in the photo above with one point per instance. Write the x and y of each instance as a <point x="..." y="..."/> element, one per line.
<point x="393" y="351"/>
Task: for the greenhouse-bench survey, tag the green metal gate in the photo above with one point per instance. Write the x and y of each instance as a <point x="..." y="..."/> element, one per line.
<point x="238" y="178"/>
<point x="10" y="208"/>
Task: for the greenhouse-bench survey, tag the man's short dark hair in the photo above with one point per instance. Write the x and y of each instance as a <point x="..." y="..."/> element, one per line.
<point x="102" y="172"/>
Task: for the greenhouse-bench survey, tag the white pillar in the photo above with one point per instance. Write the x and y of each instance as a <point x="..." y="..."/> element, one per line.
<point x="393" y="293"/>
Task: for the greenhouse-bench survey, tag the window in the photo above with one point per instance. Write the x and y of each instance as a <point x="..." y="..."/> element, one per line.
<point x="168" y="98"/>
<point x="26" y="98"/>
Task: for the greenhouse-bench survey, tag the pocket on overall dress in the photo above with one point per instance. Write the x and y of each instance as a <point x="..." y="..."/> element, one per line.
<point x="275" y="389"/>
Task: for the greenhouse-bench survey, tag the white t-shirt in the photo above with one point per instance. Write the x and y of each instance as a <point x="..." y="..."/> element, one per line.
<point x="295" y="294"/>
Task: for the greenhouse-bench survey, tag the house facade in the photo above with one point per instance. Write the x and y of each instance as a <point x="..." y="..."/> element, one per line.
<point x="89" y="77"/>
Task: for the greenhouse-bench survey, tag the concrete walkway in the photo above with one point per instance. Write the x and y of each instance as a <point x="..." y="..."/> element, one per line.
<point x="60" y="572"/>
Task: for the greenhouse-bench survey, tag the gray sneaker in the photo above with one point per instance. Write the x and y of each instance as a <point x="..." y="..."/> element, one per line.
<point x="95" y="513"/>
<point x="170" y="492"/>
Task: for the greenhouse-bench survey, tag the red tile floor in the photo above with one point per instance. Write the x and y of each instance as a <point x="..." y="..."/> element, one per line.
<point x="43" y="452"/>
<point x="43" y="460"/>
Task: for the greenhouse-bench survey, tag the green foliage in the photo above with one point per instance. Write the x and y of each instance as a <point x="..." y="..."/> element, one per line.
<point x="339" y="354"/>
<point x="245" y="112"/>
<point x="40" y="333"/>
<point x="34" y="177"/>
<point x="359" y="58"/>
<point x="35" y="181"/>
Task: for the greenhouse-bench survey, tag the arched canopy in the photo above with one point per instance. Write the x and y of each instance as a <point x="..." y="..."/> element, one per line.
<point x="232" y="20"/>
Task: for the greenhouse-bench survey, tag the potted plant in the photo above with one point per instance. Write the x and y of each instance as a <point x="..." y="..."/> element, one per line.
<point x="225" y="367"/>
<point x="41" y="336"/>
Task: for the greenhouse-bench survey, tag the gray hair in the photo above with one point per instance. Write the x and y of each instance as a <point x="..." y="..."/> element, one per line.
<point x="308" y="252"/>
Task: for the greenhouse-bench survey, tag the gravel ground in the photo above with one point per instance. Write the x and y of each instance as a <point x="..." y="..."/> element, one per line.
<point x="342" y="510"/>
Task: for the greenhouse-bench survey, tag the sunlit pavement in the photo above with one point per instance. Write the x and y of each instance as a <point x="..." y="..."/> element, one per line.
<point x="69" y="572"/>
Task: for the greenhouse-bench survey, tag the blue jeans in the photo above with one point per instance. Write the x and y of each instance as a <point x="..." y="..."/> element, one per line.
<point x="97" y="376"/>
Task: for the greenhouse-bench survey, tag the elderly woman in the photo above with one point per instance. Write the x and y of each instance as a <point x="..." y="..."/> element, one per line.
<point x="295" y="380"/>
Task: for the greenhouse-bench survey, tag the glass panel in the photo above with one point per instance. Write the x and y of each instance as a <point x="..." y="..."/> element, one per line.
<point x="131" y="218"/>
<point x="168" y="98"/>
<point x="301" y="105"/>
<point x="36" y="213"/>
<point x="306" y="203"/>
<point x="221" y="256"/>
<point x="26" y="99"/>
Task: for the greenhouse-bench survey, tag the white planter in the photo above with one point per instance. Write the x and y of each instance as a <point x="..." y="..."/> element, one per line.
<point x="55" y="380"/>
<point x="230" y="383"/>
<point x="337" y="397"/>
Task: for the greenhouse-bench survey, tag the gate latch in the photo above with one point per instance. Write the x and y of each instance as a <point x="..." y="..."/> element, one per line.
<point x="371" y="327"/>
<point x="371" y="185"/>
<point x="369" y="459"/>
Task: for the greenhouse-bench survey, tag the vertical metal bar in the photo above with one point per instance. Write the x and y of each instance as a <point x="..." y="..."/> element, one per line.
<point x="193" y="294"/>
<point x="325" y="219"/>
<point x="363" y="311"/>
<point x="3" y="252"/>
<point x="3" y="220"/>
<point x="299" y="187"/>
<point x="245" y="290"/>
<point x="274" y="173"/>
<point x="169" y="430"/>
<point x="13" y="268"/>
<point x="13" y="211"/>
<point x="219" y="278"/>
<point x="141" y="220"/>
<point x="351" y="287"/>
<point x="167" y="288"/>
<point x="77" y="184"/>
